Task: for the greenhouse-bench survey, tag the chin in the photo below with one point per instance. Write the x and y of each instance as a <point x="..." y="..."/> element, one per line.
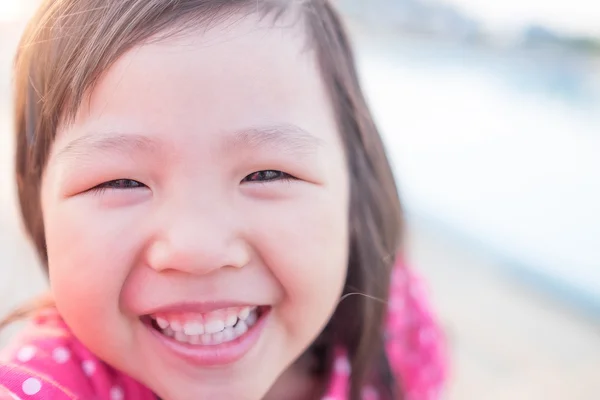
<point x="222" y="390"/>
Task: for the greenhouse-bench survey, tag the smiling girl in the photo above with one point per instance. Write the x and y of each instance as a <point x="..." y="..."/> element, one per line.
<point x="213" y="205"/>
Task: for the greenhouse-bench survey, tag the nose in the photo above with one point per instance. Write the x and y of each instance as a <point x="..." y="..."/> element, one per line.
<point x="197" y="241"/>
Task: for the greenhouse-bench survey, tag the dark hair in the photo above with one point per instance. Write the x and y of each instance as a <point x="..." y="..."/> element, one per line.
<point x="70" y="43"/>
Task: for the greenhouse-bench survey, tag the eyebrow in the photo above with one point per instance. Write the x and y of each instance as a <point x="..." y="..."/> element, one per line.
<point x="83" y="146"/>
<point x="286" y="138"/>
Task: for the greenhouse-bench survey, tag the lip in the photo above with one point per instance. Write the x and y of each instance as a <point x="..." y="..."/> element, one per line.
<point x="213" y="355"/>
<point x="197" y="307"/>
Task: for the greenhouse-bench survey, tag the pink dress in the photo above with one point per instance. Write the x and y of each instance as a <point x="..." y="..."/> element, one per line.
<point x="48" y="363"/>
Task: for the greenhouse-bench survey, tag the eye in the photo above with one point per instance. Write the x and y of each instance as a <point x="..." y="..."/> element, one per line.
<point x="267" y="176"/>
<point x="119" y="184"/>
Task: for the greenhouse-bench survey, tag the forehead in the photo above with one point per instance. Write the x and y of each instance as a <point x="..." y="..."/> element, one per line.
<point x="242" y="73"/>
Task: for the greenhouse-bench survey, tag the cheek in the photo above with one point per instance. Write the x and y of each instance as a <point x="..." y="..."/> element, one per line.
<point x="305" y="244"/>
<point x="89" y="258"/>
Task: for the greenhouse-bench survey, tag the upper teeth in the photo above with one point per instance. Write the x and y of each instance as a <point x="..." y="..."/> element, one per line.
<point x="244" y="313"/>
<point x="193" y="328"/>
<point x="212" y="328"/>
<point x="162" y="323"/>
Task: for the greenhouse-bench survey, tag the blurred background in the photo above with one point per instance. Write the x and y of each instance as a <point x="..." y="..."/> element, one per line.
<point x="491" y="113"/>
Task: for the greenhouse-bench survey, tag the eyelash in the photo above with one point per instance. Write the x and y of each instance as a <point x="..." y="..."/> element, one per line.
<point x="281" y="176"/>
<point x="117" y="184"/>
<point x="129" y="184"/>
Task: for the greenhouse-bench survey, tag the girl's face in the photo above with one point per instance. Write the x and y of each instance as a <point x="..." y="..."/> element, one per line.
<point x="196" y="212"/>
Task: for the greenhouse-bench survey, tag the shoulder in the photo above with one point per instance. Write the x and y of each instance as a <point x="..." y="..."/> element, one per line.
<point x="46" y="361"/>
<point x="416" y="344"/>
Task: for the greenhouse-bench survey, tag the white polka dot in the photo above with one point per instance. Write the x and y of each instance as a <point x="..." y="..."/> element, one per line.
<point x="416" y="291"/>
<point x="116" y="393"/>
<point x="399" y="276"/>
<point x="396" y="304"/>
<point x="426" y="336"/>
<point x="61" y="355"/>
<point x="369" y="393"/>
<point x="328" y="398"/>
<point x="26" y="353"/>
<point x="434" y="394"/>
<point x="342" y="366"/>
<point x="31" y="386"/>
<point x="88" y="367"/>
<point x="413" y="396"/>
<point x="429" y="374"/>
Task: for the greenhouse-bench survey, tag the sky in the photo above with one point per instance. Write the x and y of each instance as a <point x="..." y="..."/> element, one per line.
<point x="569" y="16"/>
<point x="11" y="10"/>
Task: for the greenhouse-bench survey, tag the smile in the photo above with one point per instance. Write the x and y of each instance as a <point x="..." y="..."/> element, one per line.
<point x="214" y="328"/>
<point x="221" y="336"/>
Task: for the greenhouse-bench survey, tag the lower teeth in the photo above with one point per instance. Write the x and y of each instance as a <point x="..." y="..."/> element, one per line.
<point x="227" y="335"/>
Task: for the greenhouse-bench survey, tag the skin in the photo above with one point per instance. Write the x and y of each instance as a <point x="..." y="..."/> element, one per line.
<point x="184" y="120"/>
